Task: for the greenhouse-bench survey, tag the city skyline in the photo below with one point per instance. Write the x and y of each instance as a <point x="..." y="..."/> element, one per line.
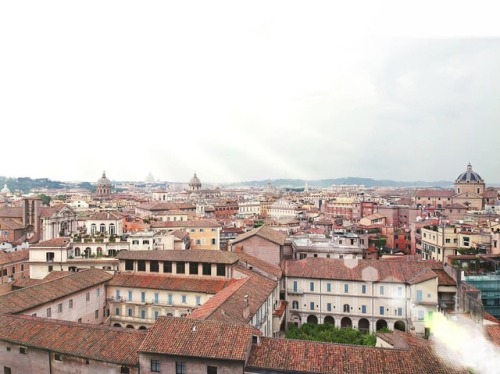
<point x="240" y="93"/>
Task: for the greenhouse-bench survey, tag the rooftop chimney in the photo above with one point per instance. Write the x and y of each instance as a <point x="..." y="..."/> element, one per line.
<point x="246" y="307"/>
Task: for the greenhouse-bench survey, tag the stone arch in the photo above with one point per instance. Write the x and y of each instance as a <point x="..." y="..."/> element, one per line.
<point x="87" y="252"/>
<point x="77" y="252"/>
<point x="346" y="322"/>
<point x="381" y="324"/>
<point x="312" y="319"/>
<point x="400" y="325"/>
<point x="364" y="325"/>
<point x="130" y="327"/>
<point x="99" y="251"/>
<point x="142" y="328"/>
<point x="117" y="325"/>
<point x="329" y="320"/>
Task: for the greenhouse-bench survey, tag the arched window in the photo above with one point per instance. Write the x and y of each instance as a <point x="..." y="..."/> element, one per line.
<point x="347" y="309"/>
<point x="93" y="228"/>
<point x="295" y="305"/>
<point x="77" y="252"/>
<point x="111" y="229"/>
<point x="102" y="228"/>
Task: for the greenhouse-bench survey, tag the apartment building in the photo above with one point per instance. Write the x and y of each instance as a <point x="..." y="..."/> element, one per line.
<point x="366" y="294"/>
<point x="14" y="265"/>
<point x="204" y="234"/>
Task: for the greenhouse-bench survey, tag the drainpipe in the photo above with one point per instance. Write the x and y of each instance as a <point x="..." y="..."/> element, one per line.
<point x="50" y="362"/>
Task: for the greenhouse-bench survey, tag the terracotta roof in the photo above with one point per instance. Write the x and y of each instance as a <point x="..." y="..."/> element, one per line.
<point x="13" y="257"/>
<point x="491" y="193"/>
<point x="189" y="223"/>
<point x="48" y="211"/>
<point x="444" y="279"/>
<point x="191" y="255"/>
<point x="195" y="338"/>
<point x="434" y="193"/>
<point x="56" y="242"/>
<point x="25" y="282"/>
<point x="265" y="232"/>
<point x="298" y="356"/>
<point x="31" y="297"/>
<point x="56" y="275"/>
<point x="228" y="305"/>
<point x="259" y="265"/>
<point x="165" y="206"/>
<point x="169" y="282"/>
<point x="492" y="332"/>
<point x="104" y="216"/>
<point x="358" y="270"/>
<point x="11" y="224"/>
<point x="11" y="212"/>
<point x="179" y="234"/>
<point x="96" y="342"/>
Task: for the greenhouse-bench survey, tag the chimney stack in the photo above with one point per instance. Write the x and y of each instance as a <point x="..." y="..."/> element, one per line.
<point x="246" y="307"/>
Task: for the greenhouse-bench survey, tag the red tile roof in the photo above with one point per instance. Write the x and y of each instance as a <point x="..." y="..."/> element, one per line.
<point x="49" y="211"/>
<point x="260" y="266"/>
<point x="56" y="242"/>
<point x="195" y="338"/>
<point x="358" y="270"/>
<point x="31" y="297"/>
<point x="188" y="224"/>
<point x="14" y="257"/>
<point x="170" y="282"/>
<point x="11" y="224"/>
<point x="434" y="193"/>
<point x="11" y="212"/>
<point x="105" y="216"/>
<point x="96" y="342"/>
<point x="192" y="255"/>
<point x="264" y="232"/>
<point x="293" y="356"/>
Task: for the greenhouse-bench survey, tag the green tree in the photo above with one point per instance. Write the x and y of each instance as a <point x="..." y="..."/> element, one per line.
<point x="45" y="199"/>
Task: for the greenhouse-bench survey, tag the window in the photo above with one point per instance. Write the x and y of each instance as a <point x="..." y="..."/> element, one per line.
<point x="346" y="308"/>
<point x="311" y="305"/>
<point x="117" y="311"/>
<point x="98" y="292"/>
<point x="6" y="370"/>
<point x="23" y="350"/>
<point x="129" y="295"/>
<point x="96" y="314"/>
<point x="141" y="265"/>
<point x="59" y="308"/>
<point x="363" y="288"/>
<point x="420" y="315"/>
<point x="184" y="297"/>
<point x="124" y="370"/>
<point x="381" y="310"/>
<point x="129" y="312"/>
<point x="143" y="297"/>
<point x="167" y="266"/>
<point x="154" y="266"/>
<point x="170" y="297"/>
<point x="211" y="370"/>
<point x="180" y="367"/>
<point x="145" y="241"/>
<point x="328" y="287"/>
<point x="311" y="286"/>
<point x="419" y="295"/>
<point x="143" y="314"/>
<point x="181" y="268"/>
<point x="381" y="290"/>
<point x="400" y="312"/>
<point x="295" y="304"/>
<point x="328" y="307"/>
<point x="155" y="366"/>
<point x="157" y="314"/>
<point x="87" y="296"/>
<point x="129" y="265"/>
<point x="400" y="291"/>
<point x="57" y="357"/>
<point x="193" y="268"/>
<point x="198" y="300"/>
<point x="346" y="288"/>
<point x="157" y="297"/>
<point x="363" y="309"/>
<point x="49" y="313"/>
<point x="206" y="269"/>
<point x="221" y="270"/>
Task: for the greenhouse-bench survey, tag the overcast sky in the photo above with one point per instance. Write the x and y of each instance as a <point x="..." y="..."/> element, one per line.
<point x="239" y="91"/>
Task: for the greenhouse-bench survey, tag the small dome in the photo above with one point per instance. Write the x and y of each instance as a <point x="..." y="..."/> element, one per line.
<point x="103" y="181"/>
<point x="5" y="189"/>
<point x="195" y="183"/>
<point x="469" y="176"/>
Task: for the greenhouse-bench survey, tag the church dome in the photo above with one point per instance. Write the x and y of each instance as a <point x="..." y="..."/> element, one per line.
<point x="195" y="183"/>
<point x="469" y="176"/>
<point x="103" y="181"/>
<point x="5" y="190"/>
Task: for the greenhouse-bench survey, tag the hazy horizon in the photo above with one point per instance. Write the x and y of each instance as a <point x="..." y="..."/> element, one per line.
<point x="242" y="92"/>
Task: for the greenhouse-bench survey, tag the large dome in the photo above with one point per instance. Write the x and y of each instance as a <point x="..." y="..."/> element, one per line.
<point x="103" y="181"/>
<point x="469" y="176"/>
<point x="195" y="183"/>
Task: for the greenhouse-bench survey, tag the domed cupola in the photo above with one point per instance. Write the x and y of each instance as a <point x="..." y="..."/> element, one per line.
<point x="194" y="183"/>
<point x="5" y="190"/>
<point x="469" y="182"/>
<point x="469" y="176"/>
<point x="103" y="185"/>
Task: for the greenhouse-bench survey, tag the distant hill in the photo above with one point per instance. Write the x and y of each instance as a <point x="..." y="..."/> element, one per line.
<point x="26" y="184"/>
<point x="323" y="183"/>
